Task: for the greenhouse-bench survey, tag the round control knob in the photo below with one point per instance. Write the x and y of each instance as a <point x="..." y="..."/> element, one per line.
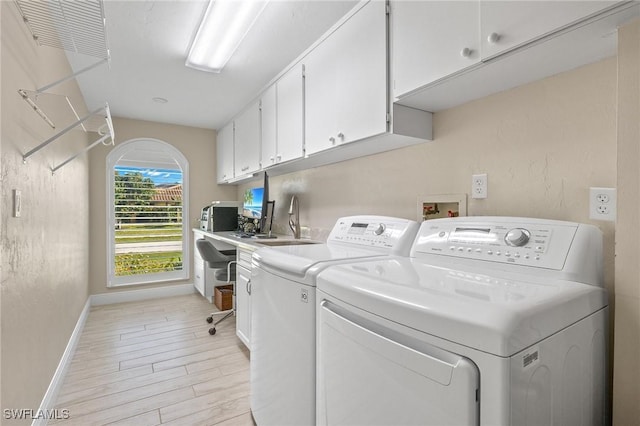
<point x="517" y="237"/>
<point x="380" y="229"/>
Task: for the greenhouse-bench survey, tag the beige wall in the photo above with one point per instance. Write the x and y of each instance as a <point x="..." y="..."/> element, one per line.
<point x="197" y="145"/>
<point x="542" y="145"/>
<point x="44" y="252"/>
<point x="626" y="390"/>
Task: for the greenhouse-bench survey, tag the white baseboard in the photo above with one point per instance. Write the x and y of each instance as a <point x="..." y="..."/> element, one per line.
<point x="50" y="396"/>
<point x="48" y="402"/>
<point x="142" y="294"/>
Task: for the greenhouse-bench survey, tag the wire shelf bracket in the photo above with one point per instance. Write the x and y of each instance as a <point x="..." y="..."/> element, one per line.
<point x="106" y="139"/>
<point x="77" y="27"/>
<point x="106" y="132"/>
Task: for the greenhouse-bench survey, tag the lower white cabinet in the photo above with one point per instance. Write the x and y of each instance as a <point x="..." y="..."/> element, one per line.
<point x="202" y="281"/>
<point x="243" y="297"/>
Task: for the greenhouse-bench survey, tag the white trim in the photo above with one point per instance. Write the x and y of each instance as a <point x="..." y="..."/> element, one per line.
<point x="50" y="396"/>
<point x="142" y="294"/>
<point x="112" y="159"/>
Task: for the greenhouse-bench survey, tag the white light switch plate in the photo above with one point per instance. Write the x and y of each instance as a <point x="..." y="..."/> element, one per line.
<point x="17" y="203"/>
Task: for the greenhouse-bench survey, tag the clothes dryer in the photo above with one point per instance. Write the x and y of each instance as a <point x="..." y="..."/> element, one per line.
<point x="491" y="321"/>
<point x="284" y="311"/>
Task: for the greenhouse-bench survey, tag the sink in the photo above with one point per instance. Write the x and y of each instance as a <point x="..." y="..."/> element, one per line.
<point x="275" y="243"/>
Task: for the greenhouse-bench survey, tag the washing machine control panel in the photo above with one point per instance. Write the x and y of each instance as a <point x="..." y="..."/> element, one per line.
<point x="528" y="244"/>
<point x="382" y="232"/>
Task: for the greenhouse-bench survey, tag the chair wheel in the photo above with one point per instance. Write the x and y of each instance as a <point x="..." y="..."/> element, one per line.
<point x="212" y="331"/>
<point x="209" y="320"/>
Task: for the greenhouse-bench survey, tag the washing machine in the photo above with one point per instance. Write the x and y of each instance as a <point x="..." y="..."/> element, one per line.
<point x="284" y="311"/>
<point x="490" y="321"/>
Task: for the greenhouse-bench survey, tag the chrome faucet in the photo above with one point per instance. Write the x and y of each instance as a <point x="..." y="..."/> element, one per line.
<point x="294" y="223"/>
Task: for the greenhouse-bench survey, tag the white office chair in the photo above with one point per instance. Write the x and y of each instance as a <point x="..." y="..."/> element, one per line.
<point x="223" y="265"/>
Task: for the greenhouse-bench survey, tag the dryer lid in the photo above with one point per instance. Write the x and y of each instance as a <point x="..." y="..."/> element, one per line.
<point x="297" y="260"/>
<point x="499" y="314"/>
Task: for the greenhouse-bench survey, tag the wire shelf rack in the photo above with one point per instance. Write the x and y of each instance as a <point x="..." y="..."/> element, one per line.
<point x="72" y="25"/>
<point x="77" y="26"/>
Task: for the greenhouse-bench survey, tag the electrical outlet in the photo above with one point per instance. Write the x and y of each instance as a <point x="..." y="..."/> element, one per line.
<point x="602" y="204"/>
<point x="479" y="184"/>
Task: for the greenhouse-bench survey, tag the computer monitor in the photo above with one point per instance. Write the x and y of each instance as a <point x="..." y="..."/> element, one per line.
<point x="264" y="226"/>
<point x="253" y="203"/>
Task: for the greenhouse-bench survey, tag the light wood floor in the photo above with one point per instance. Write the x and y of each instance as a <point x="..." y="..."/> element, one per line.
<point x="154" y="362"/>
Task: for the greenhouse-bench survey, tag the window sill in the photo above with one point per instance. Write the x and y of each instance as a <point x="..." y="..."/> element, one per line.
<point x="143" y="279"/>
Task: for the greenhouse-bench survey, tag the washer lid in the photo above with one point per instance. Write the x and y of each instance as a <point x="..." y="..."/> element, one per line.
<point x="500" y="315"/>
<point x="298" y="260"/>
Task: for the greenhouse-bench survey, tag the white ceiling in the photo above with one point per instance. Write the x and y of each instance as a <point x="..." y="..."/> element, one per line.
<point x="149" y="41"/>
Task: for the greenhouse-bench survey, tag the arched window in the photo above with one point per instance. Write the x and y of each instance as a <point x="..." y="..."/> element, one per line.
<point x="147" y="200"/>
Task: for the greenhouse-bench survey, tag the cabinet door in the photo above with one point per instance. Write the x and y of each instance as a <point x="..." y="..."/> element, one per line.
<point x="199" y="278"/>
<point x="243" y="305"/>
<point x="247" y="140"/>
<point x="290" y="101"/>
<point x="321" y="71"/>
<point x="268" y="127"/>
<point x="224" y="149"/>
<point x="362" y="89"/>
<point x="429" y="41"/>
<point x="507" y="24"/>
<point x="346" y="82"/>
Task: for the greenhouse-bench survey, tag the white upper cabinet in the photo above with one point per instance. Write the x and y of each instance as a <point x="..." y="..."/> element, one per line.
<point x="519" y="42"/>
<point x="247" y="140"/>
<point x="290" y="120"/>
<point x="431" y="40"/>
<point x="268" y="120"/>
<point x="224" y="149"/>
<point x="508" y="24"/>
<point x="346" y="82"/>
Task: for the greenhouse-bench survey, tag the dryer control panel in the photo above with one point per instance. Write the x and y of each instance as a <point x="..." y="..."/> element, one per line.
<point x="390" y="234"/>
<point x="525" y="242"/>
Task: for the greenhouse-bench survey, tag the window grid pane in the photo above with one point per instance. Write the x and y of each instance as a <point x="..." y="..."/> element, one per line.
<point x="148" y="220"/>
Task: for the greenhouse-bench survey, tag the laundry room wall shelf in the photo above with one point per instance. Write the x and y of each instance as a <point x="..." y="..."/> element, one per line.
<point x="78" y="27"/>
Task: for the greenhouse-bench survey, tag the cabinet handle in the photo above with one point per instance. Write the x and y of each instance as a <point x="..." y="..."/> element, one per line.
<point x="493" y="38"/>
<point x="279" y="158"/>
<point x="272" y="159"/>
<point x="249" y="287"/>
<point x="341" y="135"/>
<point x="244" y="169"/>
<point x="466" y="52"/>
<point x="332" y="140"/>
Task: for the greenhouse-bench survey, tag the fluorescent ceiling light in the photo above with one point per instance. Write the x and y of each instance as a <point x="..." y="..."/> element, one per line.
<point x="223" y="27"/>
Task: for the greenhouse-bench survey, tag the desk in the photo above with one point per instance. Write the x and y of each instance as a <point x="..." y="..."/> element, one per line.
<point x="225" y="240"/>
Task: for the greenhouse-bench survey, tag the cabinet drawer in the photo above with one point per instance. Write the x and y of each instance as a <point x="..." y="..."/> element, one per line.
<point x="199" y="278"/>
<point x="244" y="258"/>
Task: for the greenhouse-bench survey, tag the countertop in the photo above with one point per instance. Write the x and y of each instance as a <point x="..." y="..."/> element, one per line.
<point x="250" y="243"/>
